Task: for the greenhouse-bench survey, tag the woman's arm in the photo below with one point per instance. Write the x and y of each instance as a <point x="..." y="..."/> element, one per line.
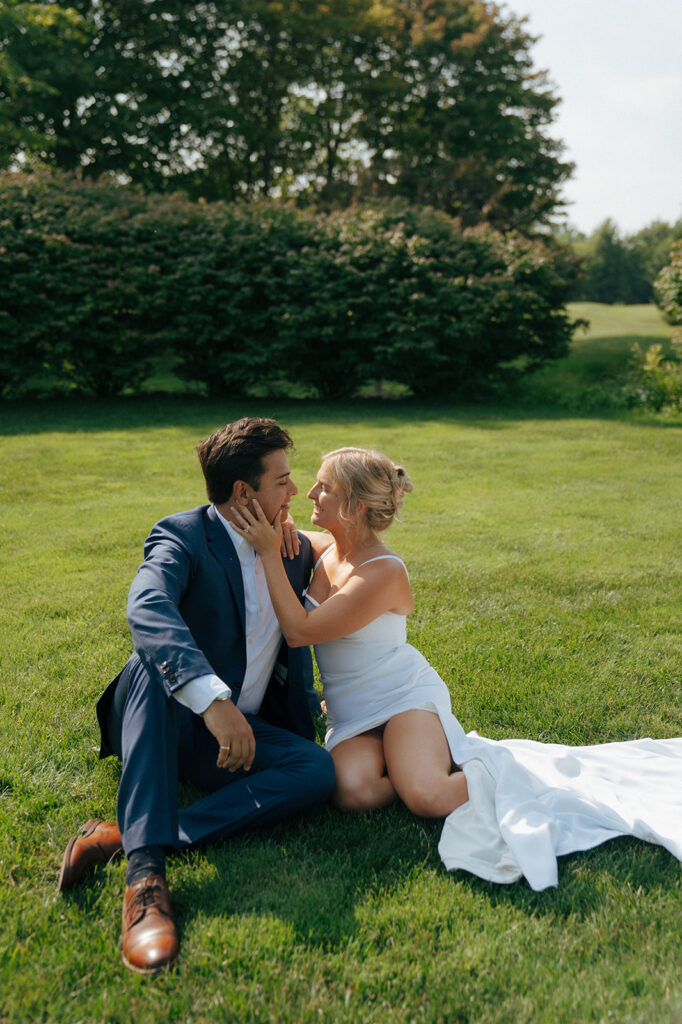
<point x="373" y="590"/>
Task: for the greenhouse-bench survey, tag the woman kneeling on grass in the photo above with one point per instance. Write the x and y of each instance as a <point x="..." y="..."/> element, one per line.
<point x="516" y="804"/>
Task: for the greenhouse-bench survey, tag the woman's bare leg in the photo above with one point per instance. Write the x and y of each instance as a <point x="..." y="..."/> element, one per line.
<point x="420" y="766"/>
<point x="361" y="780"/>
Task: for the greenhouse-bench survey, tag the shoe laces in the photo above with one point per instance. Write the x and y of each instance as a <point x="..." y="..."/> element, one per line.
<point x="144" y="898"/>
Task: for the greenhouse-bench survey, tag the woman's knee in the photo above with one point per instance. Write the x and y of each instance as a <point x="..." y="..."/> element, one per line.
<point x="356" y="792"/>
<point x="423" y="798"/>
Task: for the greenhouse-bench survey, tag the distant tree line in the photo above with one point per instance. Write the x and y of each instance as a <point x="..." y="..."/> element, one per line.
<point x="433" y="102"/>
<point x="621" y="268"/>
<point x="100" y="280"/>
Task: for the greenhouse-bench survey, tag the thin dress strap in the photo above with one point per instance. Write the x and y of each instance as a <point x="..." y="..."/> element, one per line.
<point x="379" y="557"/>
<point x="323" y="555"/>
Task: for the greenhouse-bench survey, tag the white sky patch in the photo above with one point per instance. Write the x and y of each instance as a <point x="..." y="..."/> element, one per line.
<point x="617" y="65"/>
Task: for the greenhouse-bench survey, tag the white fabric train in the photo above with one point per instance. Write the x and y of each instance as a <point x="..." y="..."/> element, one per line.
<point x="533" y="802"/>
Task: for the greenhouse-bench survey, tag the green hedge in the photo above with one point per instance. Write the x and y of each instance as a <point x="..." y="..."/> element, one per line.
<point x="99" y="281"/>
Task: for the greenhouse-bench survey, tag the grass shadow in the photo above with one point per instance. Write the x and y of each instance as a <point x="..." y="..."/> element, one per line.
<point x="319" y="874"/>
<point x="134" y="414"/>
<point x="312" y="873"/>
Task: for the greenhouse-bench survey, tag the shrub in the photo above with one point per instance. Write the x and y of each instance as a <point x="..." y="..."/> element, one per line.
<point x="102" y="279"/>
<point x="80" y="296"/>
<point x="668" y="286"/>
<point x="455" y="310"/>
<point x="659" y="380"/>
<point x="265" y="295"/>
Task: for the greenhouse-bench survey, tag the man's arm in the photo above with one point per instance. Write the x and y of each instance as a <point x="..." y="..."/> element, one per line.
<point x="160" y="635"/>
<point x="167" y="647"/>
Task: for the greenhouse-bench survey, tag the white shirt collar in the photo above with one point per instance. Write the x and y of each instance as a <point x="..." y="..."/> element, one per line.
<point x="236" y="538"/>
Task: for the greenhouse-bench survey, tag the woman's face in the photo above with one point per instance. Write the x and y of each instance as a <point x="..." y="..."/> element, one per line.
<point x="326" y="499"/>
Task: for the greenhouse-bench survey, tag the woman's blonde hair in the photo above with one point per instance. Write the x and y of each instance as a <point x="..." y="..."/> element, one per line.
<point x="368" y="476"/>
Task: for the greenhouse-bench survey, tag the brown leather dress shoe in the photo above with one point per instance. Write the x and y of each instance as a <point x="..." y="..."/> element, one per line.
<point x="150" y="939"/>
<point x="96" y="843"/>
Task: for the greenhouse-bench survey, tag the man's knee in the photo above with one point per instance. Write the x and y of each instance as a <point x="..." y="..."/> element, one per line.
<point x="321" y="773"/>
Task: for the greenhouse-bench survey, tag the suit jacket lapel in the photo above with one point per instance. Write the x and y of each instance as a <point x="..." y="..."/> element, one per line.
<point x="292" y="568"/>
<point x="223" y="549"/>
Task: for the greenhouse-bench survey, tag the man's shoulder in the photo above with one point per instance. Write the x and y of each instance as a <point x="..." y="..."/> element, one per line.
<point x="192" y="517"/>
<point x="181" y="524"/>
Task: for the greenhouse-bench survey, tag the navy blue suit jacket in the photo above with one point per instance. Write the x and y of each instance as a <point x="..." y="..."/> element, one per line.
<point x="186" y="615"/>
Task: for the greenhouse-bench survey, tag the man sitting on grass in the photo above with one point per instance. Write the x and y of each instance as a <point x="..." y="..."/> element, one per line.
<point x="212" y="694"/>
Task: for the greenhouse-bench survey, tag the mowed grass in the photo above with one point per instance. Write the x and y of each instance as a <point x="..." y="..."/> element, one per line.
<point x="544" y="554"/>
<point x="599" y="353"/>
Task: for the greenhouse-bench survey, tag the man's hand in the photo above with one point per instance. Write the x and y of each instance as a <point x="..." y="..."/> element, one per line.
<point x="291" y="545"/>
<point x="236" y="742"/>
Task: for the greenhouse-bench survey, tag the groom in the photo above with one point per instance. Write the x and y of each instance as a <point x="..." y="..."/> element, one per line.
<point x="212" y="694"/>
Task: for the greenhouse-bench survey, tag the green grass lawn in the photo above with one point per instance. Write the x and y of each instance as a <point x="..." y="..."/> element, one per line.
<point x="599" y="353"/>
<point x="544" y="553"/>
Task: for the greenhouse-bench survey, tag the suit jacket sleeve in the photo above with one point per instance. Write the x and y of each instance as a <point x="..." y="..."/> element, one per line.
<point x="160" y="634"/>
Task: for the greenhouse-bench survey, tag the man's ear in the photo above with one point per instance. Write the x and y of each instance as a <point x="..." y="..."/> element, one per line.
<point x="240" y="493"/>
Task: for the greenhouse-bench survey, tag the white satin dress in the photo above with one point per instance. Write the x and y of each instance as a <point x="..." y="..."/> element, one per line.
<point x="528" y="802"/>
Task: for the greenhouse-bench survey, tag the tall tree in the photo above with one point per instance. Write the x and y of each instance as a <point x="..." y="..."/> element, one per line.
<point x="653" y="243"/>
<point x="436" y="101"/>
<point x="41" y="56"/>
<point x="457" y="117"/>
<point x="613" y="270"/>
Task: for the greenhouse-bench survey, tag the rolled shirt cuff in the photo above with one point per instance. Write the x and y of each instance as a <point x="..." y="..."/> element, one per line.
<point x="200" y="693"/>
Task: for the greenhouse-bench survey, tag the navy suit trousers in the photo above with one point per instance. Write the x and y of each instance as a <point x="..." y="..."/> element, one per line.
<point x="163" y="742"/>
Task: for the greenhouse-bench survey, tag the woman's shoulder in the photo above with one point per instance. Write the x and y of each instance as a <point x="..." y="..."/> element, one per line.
<point x="385" y="561"/>
<point x="387" y="572"/>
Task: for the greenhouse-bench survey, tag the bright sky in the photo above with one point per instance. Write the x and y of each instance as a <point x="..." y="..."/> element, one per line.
<point x="617" y="65"/>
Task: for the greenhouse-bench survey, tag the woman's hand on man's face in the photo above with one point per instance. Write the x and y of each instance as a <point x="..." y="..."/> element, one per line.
<point x="255" y="528"/>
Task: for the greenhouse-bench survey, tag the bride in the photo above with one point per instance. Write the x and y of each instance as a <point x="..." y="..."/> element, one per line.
<point x="512" y="806"/>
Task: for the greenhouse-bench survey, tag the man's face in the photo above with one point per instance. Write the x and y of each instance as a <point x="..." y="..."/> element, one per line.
<point x="276" y="487"/>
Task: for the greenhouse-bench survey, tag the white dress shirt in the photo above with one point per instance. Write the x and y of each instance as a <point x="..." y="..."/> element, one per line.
<point x="263" y="639"/>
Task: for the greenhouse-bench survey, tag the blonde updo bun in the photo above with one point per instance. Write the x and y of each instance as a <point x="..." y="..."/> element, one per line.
<point x="370" y="477"/>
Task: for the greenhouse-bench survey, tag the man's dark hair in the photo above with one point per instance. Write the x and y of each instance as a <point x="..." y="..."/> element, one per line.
<point x="235" y="452"/>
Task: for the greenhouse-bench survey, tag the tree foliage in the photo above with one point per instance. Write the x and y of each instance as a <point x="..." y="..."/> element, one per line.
<point x="669" y="285"/>
<point x="618" y="268"/>
<point x="433" y="101"/>
<point x="456" y="116"/>
<point x="42" y="47"/>
<point x="653" y="244"/>
<point x="99" y="280"/>
<point x="612" y="268"/>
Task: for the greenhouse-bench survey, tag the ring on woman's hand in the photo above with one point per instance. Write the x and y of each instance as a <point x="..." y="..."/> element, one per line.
<point x="226" y="749"/>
